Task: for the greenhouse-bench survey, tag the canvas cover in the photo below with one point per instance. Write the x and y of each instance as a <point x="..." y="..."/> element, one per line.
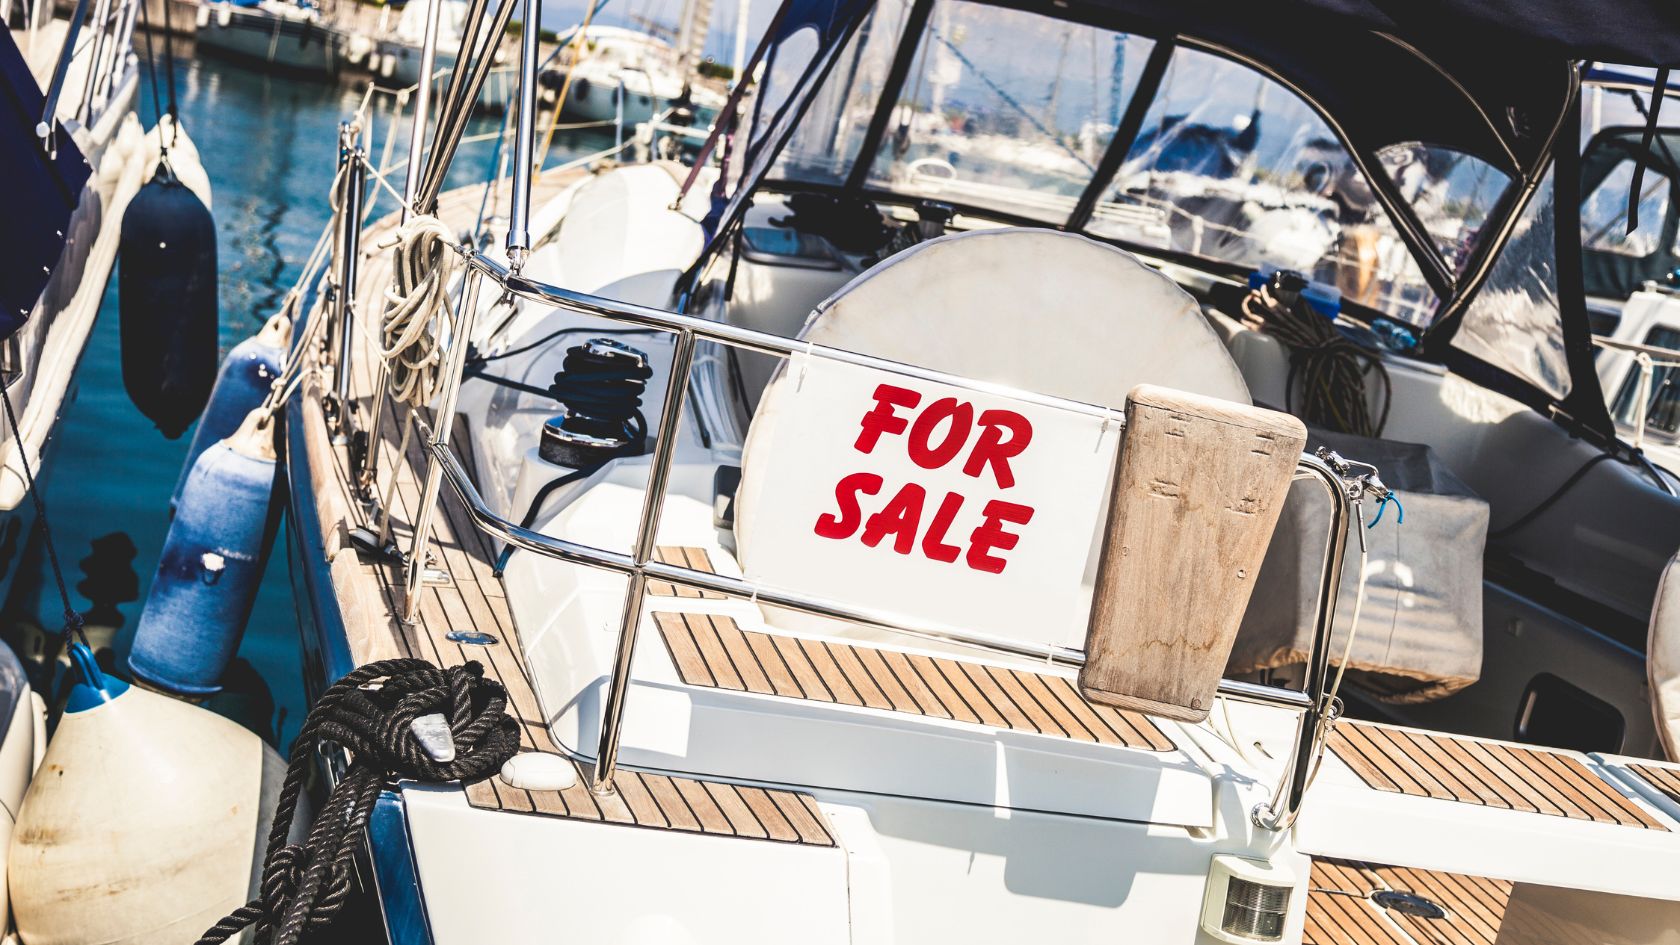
<point x="1420" y="634"/>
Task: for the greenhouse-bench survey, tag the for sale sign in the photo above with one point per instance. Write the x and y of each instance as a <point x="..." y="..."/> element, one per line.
<point x="927" y="500"/>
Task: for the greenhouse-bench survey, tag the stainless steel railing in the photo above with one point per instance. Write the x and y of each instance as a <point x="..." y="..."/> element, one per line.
<point x="639" y="567"/>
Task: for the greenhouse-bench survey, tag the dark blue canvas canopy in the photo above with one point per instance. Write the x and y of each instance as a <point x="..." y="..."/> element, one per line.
<point x="41" y="192"/>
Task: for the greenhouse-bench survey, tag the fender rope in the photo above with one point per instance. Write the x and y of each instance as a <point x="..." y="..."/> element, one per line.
<point x="368" y="713"/>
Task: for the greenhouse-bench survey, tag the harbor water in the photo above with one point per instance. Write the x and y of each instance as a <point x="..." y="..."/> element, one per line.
<point x="269" y="145"/>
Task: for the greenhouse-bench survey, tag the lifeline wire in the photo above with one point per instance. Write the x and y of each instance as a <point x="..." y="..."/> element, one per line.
<point x="72" y="619"/>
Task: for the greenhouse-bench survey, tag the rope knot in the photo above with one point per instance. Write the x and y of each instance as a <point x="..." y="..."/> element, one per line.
<point x="368" y="713"/>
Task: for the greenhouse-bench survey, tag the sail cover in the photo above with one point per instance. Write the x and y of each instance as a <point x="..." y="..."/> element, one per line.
<point x="41" y="192"/>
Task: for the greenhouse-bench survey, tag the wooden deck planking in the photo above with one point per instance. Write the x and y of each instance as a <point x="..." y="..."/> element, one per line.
<point x="712" y="651"/>
<point x="474" y="599"/>
<point x="1488" y="773"/>
<point x="1665" y="780"/>
<point x="1341" y="910"/>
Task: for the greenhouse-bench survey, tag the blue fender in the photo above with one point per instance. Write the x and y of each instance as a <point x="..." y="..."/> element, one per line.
<point x="247" y="372"/>
<point x="212" y="564"/>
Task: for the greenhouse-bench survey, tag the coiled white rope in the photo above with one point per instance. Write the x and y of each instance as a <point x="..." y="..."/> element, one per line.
<point x="416" y="310"/>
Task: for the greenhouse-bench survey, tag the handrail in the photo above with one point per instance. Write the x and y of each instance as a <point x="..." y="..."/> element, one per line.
<point x="1278" y="814"/>
<point x="571" y="552"/>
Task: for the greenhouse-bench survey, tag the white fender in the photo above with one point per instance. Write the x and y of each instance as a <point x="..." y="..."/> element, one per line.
<point x="142" y="825"/>
<point x="183" y="158"/>
<point x="203" y="17"/>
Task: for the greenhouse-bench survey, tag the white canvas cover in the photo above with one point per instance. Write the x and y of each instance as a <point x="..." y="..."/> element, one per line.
<point x="1420" y="634"/>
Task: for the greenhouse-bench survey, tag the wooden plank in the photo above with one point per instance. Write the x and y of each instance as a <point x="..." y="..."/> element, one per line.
<point x="740" y="654"/>
<point x="931" y="677"/>
<point x="773" y="664"/>
<point x="1196" y="493"/>
<point x="776" y="670"/>
<point x="993" y="693"/>
<point x="774" y="821"/>
<point x="954" y="677"/>
<point x="1488" y="773"/>
<point x="882" y="675"/>
<point x="741" y="818"/>
<point x="793" y="655"/>
<point x="926" y="702"/>
<point x="846" y="658"/>
<point x="829" y="671"/>
<point x="685" y="654"/>
<point x="806" y="821"/>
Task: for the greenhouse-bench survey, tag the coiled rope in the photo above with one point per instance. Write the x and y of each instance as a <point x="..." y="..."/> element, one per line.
<point x="415" y="309"/>
<point x="1330" y="368"/>
<point x="368" y="712"/>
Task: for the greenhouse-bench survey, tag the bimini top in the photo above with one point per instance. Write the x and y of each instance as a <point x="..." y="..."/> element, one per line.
<point x="1391" y="81"/>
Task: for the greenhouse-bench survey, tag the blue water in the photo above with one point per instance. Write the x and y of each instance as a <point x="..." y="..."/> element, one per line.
<point x="269" y="144"/>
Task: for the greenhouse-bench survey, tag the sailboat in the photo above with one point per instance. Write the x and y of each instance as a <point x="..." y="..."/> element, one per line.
<point x="865" y="564"/>
<point x="624" y="76"/>
<point x="289" y="35"/>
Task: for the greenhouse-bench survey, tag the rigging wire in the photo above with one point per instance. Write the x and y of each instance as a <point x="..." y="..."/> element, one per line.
<point x="72" y="618"/>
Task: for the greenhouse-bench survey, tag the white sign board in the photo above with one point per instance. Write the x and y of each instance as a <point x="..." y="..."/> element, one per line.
<point x="929" y="501"/>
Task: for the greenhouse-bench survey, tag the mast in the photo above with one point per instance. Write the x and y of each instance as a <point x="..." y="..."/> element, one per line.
<point x="742" y="8"/>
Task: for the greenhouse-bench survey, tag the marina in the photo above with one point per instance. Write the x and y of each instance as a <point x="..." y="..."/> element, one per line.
<point x="860" y="471"/>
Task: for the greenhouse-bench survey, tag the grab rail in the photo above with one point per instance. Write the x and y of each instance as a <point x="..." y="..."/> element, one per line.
<point x="640" y="567"/>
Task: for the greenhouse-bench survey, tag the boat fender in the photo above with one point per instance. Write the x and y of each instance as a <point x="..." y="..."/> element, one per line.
<point x="539" y="771"/>
<point x="244" y="381"/>
<point x="212" y="563"/>
<point x="166" y="297"/>
<point x="203" y="18"/>
<point x="184" y="159"/>
<point x="370" y="713"/>
<point x="142" y="822"/>
<point x="224" y="14"/>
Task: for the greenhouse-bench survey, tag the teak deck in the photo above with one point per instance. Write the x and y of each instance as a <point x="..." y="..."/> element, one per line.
<point x="1340" y="910"/>
<point x="1665" y="780"/>
<point x="710" y="650"/>
<point x="1477" y="771"/>
<point x="371" y="594"/>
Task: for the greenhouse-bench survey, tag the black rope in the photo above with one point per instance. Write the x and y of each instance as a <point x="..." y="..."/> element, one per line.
<point x="475" y="360"/>
<point x="1658" y="88"/>
<point x="368" y="713"/>
<point x="607" y="391"/>
<point x="72" y="619"/>
<point x="1330" y="368"/>
<point x="169" y="75"/>
<point x="151" y="66"/>
<point x="1550" y="500"/>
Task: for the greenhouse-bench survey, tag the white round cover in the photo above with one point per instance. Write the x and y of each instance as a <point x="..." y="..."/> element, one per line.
<point x="1041" y="310"/>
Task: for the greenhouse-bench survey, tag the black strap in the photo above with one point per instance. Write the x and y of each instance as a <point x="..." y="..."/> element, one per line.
<point x="1657" y="89"/>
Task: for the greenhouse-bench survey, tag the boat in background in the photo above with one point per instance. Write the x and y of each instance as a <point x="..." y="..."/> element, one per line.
<point x="624" y="76"/>
<point x="285" y="35"/>
<point x="392" y="52"/>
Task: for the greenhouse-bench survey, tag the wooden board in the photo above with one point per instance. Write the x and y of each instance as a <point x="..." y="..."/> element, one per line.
<point x="370" y="595"/>
<point x="1197" y="491"/>
<point x="1342" y="907"/>
<point x="1666" y="780"/>
<point x="695" y="559"/>
<point x="1480" y="771"/>
<point x="713" y="651"/>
